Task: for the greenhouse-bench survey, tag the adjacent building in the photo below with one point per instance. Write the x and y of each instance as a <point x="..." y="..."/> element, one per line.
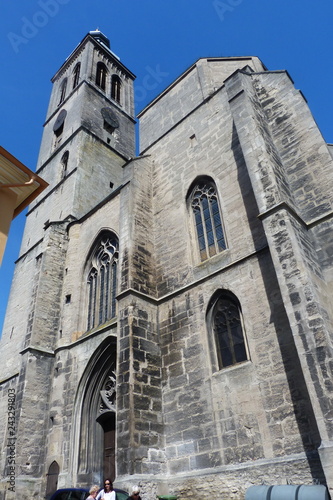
<point x="18" y="187"/>
<point x="170" y="319"/>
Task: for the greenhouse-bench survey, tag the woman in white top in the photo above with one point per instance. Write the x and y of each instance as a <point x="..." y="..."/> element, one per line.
<point x="107" y="493"/>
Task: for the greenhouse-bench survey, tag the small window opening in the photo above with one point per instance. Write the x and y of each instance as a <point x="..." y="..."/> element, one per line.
<point x="108" y="127"/>
<point x="62" y="91"/>
<point x="115" y="88"/>
<point x="64" y="164"/>
<point x="76" y="75"/>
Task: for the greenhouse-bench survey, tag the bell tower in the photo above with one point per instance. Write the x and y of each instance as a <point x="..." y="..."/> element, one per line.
<point x="89" y="133"/>
<point x="88" y="136"/>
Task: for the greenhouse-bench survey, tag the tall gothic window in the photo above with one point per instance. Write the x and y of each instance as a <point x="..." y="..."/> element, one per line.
<point x="102" y="281"/>
<point x="63" y="87"/>
<point x="76" y="75"/>
<point x="115" y="88"/>
<point x="101" y="73"/>
<point x="225" y="324"/>
<point x="207" y="218"/>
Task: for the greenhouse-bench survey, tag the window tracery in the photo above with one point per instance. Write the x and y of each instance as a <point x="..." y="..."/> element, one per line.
<point x="102" y="281"/>
<point x="226" y="326"/>
<point x="108" y="394"/>
<point x="208" y="221"/>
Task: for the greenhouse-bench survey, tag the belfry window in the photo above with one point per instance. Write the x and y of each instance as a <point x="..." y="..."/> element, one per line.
<point x="102" y="281"/>
<point x="115" y="88"/>
<point x="226" y="326"/>
<point x="76" y="75"/>
<point x="62" y="91"/>
<point x="207" y="219"/>
<point x="101" y="73"/>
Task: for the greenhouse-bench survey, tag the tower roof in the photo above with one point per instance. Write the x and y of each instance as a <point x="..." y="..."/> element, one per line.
<point x="100" y="37"/>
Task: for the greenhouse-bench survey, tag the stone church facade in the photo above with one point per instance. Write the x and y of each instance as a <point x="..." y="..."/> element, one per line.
<point x="170" y="320"/>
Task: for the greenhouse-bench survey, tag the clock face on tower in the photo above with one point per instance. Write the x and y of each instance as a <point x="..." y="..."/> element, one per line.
<point x="60" y="120"/>
<point x="110" y="117"/>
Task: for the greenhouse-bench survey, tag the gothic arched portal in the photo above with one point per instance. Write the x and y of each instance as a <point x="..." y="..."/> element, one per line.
<point x="95" y="417"/>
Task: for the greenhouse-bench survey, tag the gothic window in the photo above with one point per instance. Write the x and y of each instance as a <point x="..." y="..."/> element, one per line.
<point x="64" y="164"/>
<point x="63" y="87"/>
<point x="225" y="325"/>
<point x="207" y="219"/>
<point x="115" y="88"/>
<point x="102" y="280"/>
<point x="76" y="75"/>
<point x="101" y="73"/>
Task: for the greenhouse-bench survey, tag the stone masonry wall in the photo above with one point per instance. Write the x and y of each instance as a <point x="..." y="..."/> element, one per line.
<point x="139" y="400"/>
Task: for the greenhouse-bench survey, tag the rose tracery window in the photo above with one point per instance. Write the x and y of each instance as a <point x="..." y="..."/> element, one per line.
<point x="208" y="221"/>
<point x="102" y="281"/>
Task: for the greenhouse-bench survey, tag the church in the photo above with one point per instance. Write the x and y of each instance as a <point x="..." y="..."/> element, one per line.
<point x="170" y="317"/>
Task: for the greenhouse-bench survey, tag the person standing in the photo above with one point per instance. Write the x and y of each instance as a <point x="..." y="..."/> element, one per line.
<point x="107" y="493"/>
<point x="135" y="495"/>
<point x="93" y="492"/>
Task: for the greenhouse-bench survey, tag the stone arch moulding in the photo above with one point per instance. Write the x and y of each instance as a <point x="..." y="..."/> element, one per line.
<point x="94" y="408"/>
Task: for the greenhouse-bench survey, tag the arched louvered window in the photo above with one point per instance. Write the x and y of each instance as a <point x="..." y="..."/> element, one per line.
<point x="63" y="88"/>
<point x="207" y="218"/>
<point x="76" y="75"/>
<point x="225" y="325"/>
<point x="101" y="72"/>
<point x="102" y="281"/>
<point x="115" y="88"/>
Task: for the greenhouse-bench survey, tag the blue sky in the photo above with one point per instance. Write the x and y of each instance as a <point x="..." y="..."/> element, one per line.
<point x="157" y="38"/>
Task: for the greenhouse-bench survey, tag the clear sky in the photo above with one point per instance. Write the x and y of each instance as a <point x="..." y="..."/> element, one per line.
<point x="159" y="38"/>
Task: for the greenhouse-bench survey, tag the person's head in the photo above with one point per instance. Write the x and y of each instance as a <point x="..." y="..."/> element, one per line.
<point x="135" y="492"/>
<point x="108" y="485"/>
<point x="94" y="490"/>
